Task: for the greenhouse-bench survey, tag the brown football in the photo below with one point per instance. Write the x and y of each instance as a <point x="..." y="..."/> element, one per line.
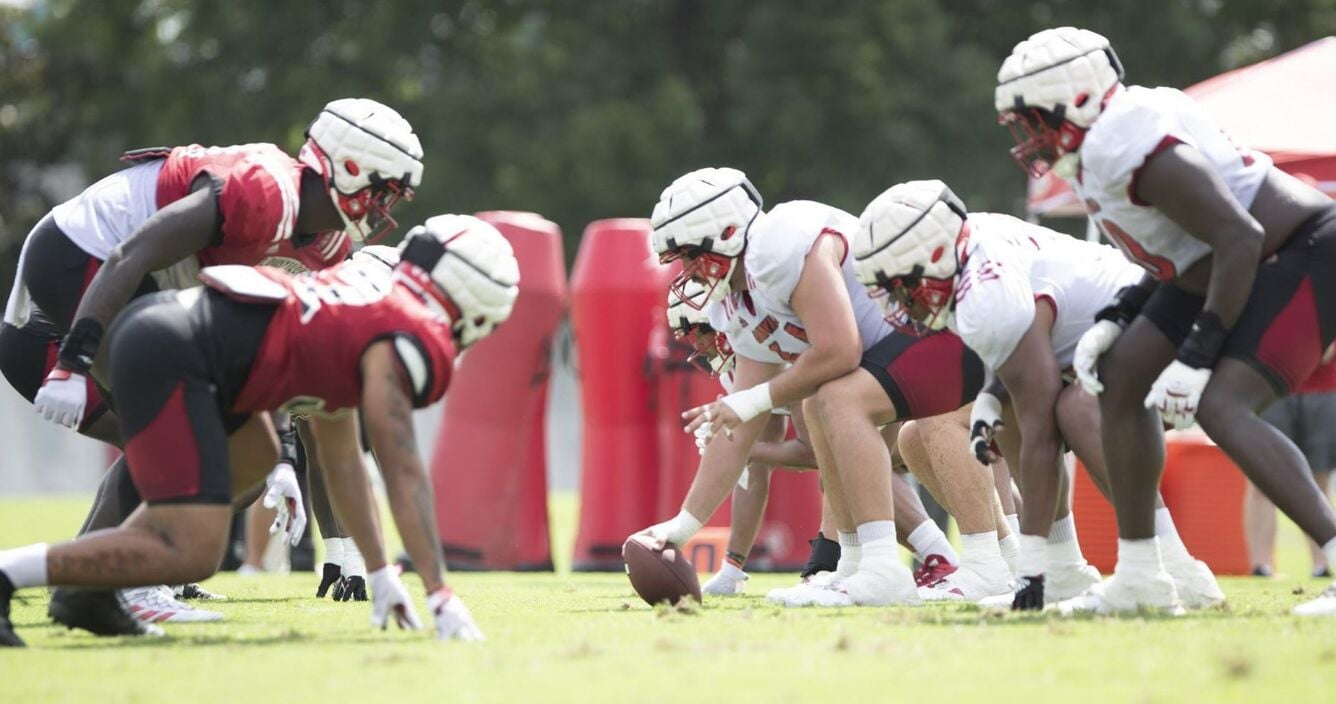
<point x="659" y="575"/>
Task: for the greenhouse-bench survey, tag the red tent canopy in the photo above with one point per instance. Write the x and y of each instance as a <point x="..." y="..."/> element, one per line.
<point x="1278" y="106"/>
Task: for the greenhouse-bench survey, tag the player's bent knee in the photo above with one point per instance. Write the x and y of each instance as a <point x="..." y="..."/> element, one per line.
<point x="909" y="433"/>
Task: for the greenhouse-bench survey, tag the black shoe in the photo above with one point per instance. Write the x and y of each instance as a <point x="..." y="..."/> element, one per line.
<point x="8" y="638"/>
<point x="825" y="556"/>
<point x="1261" y="571"/>
<point x="98" y="611"/>
<point x="331" y="576"/>
<point x="194" y="591"/>
<point x="351" y="589"/>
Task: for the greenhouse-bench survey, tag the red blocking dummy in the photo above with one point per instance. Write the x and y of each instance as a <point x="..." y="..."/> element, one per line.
<point x="489" y="468"/>
<point x="617" y="289"/>
<point x="678" y="386"/>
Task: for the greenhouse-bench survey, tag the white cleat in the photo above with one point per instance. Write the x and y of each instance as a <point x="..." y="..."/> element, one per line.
<point x="1127" y="592"/>
<point x="724" y="584"/>
<point x="1196" y="585"/>
<point x="972" y="581"/>
<point x="158" y="605"/>
<point x="886" y="585"/>
<point x="784" y="595"/>
<point x="1067" y="581"/>
<point x="1323" y="605"/>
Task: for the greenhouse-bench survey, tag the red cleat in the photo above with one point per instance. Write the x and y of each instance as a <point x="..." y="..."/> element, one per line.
<point x="934" y="569"/>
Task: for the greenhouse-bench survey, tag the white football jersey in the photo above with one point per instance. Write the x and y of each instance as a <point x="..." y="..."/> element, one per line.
<point x="1137" y="123"/>
<point x="760" y="322"/>
<point x="1009" y="264"/>
<point x="111" y="210"/>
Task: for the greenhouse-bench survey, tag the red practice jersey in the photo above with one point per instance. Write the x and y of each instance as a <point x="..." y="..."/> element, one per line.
<point x="310" y="358"/>
<point x="258" y="188"/>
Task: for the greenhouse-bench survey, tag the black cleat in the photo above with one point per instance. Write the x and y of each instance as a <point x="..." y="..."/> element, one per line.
<point x="8" y="638"/>
<point x="825" y="556"/>
<point x="351" y="589"/>
<point x="98" y="611"/>
<point x="186" y="592"/>
<point x="330" y="577"/>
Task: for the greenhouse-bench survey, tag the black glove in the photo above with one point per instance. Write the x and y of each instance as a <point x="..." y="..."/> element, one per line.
<point x="330" y="577"/>
<point x="351" y="589"/>
<point x="1030" y="594"/>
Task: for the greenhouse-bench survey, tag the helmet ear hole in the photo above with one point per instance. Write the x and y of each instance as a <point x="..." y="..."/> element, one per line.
<point x="937" y="254"/>
<point x="728" y="232"/>
<point x="351" y="167"/>
<point x="1081" y="99"/>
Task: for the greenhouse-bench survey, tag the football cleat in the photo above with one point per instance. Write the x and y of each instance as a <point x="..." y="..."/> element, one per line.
<point x="887" y="584"/>
<point x="970" y="582"/>
<point x="1065" y="581"/>
<point x="1195" y="582"/>
<point x="724" y="583"/>
<point x="1127" y="591"/>
<point x="1323" y="605"/>
<point x="8" y="638"/>
<point x="99" y="611"/>
<point x="932" y="570"/>
<point x="192" y="591"/>
<point x="158" y="605"/>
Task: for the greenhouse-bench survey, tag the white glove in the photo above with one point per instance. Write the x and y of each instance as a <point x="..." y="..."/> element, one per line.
<point x="1094" y="343"/>
<point x="388" y="595"/>
<point x="453" y="620"/>
<point x="62" y="397"/>
<point x="677" y="530"/>
<point x="1177" y="392"/>
<point x="985" y="421"/>
<point x="285" y="497"/>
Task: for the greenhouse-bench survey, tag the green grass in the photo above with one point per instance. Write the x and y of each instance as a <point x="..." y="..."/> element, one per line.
<point x="583" y="638"/>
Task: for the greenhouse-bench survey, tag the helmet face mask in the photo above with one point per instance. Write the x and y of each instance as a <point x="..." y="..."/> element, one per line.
<point x="700" y="270"/>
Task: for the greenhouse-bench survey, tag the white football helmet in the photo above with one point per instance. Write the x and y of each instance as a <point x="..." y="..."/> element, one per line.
<point x="377" y="256"/>
<point x="1049" y="92"/>
<point x="705" y="216"/>
<point x="907" y="248"/>
<point x="713" y="354"/>
<point x="368" y="157"/>
<point x="465" y="267"/>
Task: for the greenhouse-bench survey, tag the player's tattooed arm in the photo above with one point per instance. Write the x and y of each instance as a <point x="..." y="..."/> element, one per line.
<point x="388" y="408"/>
<point x="170" y="235"/>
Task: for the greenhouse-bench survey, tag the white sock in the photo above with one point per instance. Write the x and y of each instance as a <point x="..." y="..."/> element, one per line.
<point x="877" y="554"/>
<point x="979" y="547"/>
<point x="731" y="571"/>
<point x="26" y="566"/>
<point x="353" y="565"/>
<point x="1171" y="545"/>
<point x="334" y="551"/>
<point x="1140" y="555"/>
<point x="1014" y="521"/>
<point x="1329" y="549"/>
<point x="851" y="554"/>
<point x="927" y="539"/>
<point x="1033" y="556"/>
<point x="1010" y="547"/>
<point x="875" y="530"/>
<point x="1063" y="547"/>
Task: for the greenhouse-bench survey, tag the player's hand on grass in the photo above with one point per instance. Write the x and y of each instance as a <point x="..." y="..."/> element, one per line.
<point x="453" y="620"/>
<point x="331" y="576"/>
<point x="1092" y="345"/>
<point x="350" y="588"/>
<point x="1030" y="594"/>
<point x="389" y="600"/>
<point x="285" y="497"/>
<point x="985" y="421"/>
<point x="62" y="398"/>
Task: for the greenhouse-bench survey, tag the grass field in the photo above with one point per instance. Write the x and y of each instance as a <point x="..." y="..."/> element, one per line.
<point x="586" y="638"/>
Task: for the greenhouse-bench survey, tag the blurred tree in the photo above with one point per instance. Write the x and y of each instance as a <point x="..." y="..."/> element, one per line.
<point x="584" y="110"/>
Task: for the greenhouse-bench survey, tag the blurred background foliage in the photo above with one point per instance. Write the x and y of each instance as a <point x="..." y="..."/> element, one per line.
<point x="579" y="110"/>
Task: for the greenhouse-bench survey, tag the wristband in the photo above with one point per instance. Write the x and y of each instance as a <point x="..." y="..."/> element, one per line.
<point x="1127" y="304"/>
<point x="681" y="528"/>
<point x="1202" y="347"/>
<point x="80" y="345"/>
<point x="287" y="445"/>
<point x="750" y="403"/>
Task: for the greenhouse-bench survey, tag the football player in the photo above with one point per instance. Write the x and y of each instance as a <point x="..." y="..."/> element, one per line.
<point x="713" y="354"/>
<point x="151" y="226"/>
<point x="195" y="371"/>
<point x="1020" y="296"/>
<point x="1231" y="314"/>
<point x="783" y="279"/>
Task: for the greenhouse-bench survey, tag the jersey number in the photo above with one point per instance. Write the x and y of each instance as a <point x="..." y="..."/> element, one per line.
<point x="348" y="287"/>
<point x="1159" y="267"/>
